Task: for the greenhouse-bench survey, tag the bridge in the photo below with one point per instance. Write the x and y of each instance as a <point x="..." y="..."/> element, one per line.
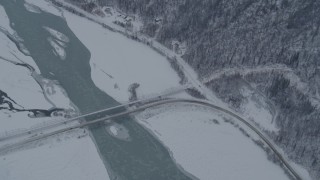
<point x="64" y="122"/>
<point x="140" y="106"/>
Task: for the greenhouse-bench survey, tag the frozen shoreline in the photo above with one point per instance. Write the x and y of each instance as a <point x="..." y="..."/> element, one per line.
<point x="66" y="156"/>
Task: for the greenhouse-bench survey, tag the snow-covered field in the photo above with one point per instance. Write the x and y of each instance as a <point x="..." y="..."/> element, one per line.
<point x="117" y="62"/>
<point x="206" y="146"/>
<point x="258" y="111"/>
<point x="64" y="157"/>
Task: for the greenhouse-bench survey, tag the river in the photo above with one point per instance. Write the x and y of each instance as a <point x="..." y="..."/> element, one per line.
<point x="142" y="157"/>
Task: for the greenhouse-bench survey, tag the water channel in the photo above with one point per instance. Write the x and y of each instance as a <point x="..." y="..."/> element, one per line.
<point x="142" y="157"/>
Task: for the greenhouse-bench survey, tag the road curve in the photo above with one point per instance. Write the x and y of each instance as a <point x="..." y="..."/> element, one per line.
<point x="10" y="147"/>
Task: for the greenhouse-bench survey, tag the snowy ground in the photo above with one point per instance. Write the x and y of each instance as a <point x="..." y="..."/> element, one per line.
<point x="258" y="110"/>
<point x="206" y="146"/>
<point x="117" y="62"/>
<point x="64" y="157"/>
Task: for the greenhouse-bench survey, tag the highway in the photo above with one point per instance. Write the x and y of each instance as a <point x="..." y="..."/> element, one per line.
<point x="8" y="148"/>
